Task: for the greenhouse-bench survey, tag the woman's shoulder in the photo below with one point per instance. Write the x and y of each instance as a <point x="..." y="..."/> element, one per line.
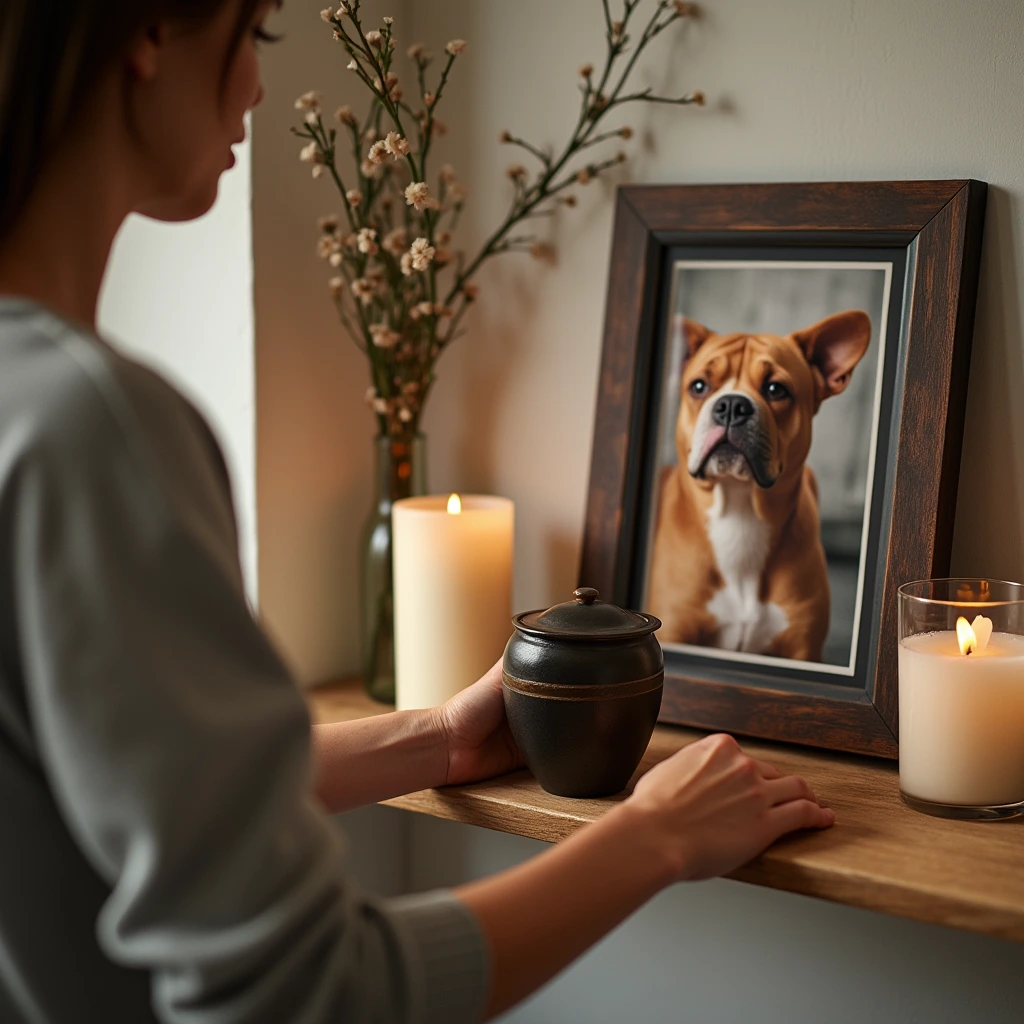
<point x="65" y="393"/>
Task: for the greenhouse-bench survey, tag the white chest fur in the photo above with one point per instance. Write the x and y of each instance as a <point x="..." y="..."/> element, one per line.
<point x="741" y="541"/>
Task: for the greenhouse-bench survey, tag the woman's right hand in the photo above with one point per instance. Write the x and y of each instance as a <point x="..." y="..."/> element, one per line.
<point x="715" y="808"/>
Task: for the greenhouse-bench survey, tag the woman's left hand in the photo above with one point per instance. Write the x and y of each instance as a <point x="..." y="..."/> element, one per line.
<point x="476" y="732"/>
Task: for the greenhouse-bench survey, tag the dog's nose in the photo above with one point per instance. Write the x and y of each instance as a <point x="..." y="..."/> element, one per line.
<point x="732" y="410"/>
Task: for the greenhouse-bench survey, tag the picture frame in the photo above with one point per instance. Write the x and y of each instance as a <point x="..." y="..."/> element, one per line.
<point x="795" y="639"/>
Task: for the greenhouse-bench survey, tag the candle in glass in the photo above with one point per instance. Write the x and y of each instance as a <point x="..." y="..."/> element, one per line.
<point x="961" y="696"/>
<point x="453" y="593"/>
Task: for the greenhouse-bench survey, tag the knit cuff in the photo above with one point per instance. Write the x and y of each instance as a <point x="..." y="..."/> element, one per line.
<point x="448" y="956"/>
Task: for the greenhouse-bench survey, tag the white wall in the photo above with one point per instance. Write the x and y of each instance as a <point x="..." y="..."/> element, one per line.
<point x="179" y="297"/>
<point x="800" y="90"/>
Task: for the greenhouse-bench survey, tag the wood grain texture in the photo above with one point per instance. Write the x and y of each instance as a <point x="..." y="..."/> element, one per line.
<point x="879" y="855"/>
<point x="885" y="206"/>
<point x="939" y="224"/>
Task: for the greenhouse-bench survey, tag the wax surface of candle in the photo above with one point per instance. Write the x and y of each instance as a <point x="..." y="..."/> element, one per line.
<point x="453" y="593"/>
<point x="962" y="719"/>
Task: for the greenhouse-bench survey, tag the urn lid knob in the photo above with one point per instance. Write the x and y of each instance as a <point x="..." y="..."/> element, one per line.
<point x="585" y="595"/>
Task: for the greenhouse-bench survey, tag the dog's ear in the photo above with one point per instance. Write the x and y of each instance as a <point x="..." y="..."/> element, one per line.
<point x="694" y="334"/>
<point x="833" y="347"/>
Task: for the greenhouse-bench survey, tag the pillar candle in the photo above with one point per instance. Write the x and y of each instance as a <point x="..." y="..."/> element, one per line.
<point x="453" y="593"/>
<point x="962" y="719"/>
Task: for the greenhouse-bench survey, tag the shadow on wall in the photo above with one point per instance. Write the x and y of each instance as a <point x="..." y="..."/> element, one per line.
<point x="988" y="537"/>
<point x="314" y="433"/>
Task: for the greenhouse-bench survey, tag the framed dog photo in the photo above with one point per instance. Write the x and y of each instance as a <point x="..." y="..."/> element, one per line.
<point x="777" y="441"/>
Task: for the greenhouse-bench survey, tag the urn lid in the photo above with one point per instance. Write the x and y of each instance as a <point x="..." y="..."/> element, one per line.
<point x="587" y="618"/>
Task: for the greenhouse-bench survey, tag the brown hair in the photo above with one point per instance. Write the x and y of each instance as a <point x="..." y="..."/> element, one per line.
<point x="51" y="56"/>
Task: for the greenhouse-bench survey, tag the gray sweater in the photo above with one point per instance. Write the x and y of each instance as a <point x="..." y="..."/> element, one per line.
<point x="160" y="852"/>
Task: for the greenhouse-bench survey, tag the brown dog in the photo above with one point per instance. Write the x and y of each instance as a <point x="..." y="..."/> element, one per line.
<point x="737" y="561"/>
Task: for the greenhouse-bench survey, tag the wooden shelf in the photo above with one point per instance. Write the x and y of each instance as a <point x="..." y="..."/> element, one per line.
<point x="879" y="854"/>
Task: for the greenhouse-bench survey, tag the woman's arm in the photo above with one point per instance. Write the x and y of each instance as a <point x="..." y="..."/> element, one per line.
<point x="373" y="759"/>
<point x="702" y="812"/>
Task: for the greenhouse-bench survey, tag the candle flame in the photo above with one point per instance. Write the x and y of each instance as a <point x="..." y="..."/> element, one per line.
<point x="965" y="636"/>
<point x="454" y="505"/>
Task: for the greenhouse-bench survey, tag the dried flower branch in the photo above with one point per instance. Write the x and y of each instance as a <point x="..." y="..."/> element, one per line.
<point x="391" y="250"/>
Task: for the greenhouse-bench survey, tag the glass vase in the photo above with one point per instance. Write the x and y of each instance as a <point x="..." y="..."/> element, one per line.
<point x="401" y="473"/>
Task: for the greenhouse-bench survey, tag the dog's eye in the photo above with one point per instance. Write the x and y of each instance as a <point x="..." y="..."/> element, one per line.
<point x="775" y="392"/>
<point x="699" y="388"/>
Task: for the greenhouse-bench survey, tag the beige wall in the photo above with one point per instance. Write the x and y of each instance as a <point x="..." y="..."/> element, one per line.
<point x="314" y="434"/>
<point x="800" y="90"/>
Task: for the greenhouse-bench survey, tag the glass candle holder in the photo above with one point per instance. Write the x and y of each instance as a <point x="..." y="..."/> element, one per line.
<point x="961" y="685"/>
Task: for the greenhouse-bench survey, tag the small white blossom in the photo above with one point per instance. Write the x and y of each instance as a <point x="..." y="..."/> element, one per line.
<point x="318" y="169"/>
<point x="353" y="197"/>
<point x="396" y="145"/>
<point x="308" y="101"/>
<point x="443" y="256"/>
<point x="455" y="47"/>
<point x="383" y="336"/>
<point x="311" y="154"/>
<point x="404" y="414"/>
<point x="368" y="169"/>
<point x="350" y="241"/>
<point x="417" y="195"/>
<point x="313" y="118"/>
<point x="327" y="14"/>
<point x="380" y="406"/>
<point x="342" y="10"/>
<point x="344" y="115"/>
<point x="378" y="151"/>
<point x="406" y="263"/>
<point x="327" y="225"/>
<point x="335" y="258"/>
<point x="352" y="65"/>
<point x="389" y="21"/>
<point x="363" y="290"/>
<point x="374" y="38"/>
<point x="366" y="243"/>
<point x="421" y="252"/>
<point x="416" y="50"/>
<point x="325" y="246"/>
<point x="371" y="396"/>
<point x="337" y="286"/>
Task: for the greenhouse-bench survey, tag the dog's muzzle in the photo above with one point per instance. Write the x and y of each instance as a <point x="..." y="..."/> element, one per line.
<point x="734" y="440"/>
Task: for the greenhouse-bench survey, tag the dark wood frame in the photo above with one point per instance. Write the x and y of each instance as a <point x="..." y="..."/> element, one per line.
<point x="939" y="225"/>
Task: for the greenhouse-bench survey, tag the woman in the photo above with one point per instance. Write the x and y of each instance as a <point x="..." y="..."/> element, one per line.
<point x="167" y="852"/>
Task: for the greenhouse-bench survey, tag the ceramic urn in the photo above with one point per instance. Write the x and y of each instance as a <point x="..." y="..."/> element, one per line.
<point x="582" y="683"/>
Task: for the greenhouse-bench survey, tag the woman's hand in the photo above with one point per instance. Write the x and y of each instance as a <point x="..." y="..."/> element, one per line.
<point x="476" y="734"/>
<point x="714" y="808"/>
